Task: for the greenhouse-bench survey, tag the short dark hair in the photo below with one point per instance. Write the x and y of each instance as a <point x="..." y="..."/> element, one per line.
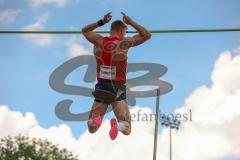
<point x="117" y="25"/>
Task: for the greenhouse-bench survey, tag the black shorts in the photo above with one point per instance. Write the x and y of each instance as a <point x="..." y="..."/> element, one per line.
<point x="108" y="91"/>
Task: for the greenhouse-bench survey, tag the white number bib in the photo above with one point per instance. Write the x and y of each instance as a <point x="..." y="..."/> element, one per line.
<point x="107" y="72"/>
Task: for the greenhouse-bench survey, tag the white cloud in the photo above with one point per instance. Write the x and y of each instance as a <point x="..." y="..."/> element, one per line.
<point x="213" y="133"/>
<point x="77" y="49"/>
<point x="37" y="3"/>
<point x="39" y="24"/>
<point x="58" y="3"/>
<point x="77" y="46"/>
<point x="8" y="16"/>
<point x="40" y="40"/>
<point x="84" y="145"/>
<point x="12" y="122"/>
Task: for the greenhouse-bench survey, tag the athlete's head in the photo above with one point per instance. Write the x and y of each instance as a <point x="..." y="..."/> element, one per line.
<point x="119" y="28"/>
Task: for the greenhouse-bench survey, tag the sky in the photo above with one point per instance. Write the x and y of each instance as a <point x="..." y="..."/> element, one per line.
<point x="204" y="69"/>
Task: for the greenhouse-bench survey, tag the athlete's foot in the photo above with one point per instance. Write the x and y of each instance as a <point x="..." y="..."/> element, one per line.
<point x="114" y="129"/>
<point x="96" y="117"/>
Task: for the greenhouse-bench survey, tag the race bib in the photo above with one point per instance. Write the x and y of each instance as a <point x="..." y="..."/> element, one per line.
<point x="107" y="72"/>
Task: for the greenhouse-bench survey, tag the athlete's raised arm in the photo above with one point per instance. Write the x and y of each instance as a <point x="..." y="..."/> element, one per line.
<point x="143" y="34"/>
<point x="88" y="30"/>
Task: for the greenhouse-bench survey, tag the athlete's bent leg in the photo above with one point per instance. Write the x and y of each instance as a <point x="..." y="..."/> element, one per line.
<point x="98" y="108"/>
<point x="122" y="113"/>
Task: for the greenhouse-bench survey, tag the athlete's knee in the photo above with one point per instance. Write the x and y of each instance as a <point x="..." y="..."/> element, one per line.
<point x="127" y="131"/>
<point x="92" y="129"/>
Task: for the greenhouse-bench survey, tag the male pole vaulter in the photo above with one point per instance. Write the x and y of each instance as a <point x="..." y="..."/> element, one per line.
<point x="111" y="58"/>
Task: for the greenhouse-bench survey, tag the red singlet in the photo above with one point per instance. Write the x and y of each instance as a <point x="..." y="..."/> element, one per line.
<point x="107" y="67"/>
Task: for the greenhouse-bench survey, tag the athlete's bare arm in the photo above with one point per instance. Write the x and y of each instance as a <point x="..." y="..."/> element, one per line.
<point x="143" y="34"/>
<point x="92" y="36"/>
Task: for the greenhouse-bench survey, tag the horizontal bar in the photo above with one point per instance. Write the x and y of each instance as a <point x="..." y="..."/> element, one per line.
<point x="192" y="30"/>
<point x="104" y="32"/>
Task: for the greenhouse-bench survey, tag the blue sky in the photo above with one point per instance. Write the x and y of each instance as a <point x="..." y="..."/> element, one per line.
<point x="25" y="66"/>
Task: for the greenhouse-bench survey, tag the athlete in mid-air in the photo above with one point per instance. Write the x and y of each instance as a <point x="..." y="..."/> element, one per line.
<point x="111" y="57"/>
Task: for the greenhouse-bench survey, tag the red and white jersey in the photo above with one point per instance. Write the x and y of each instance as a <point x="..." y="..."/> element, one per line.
<point x="108" y="67"/>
